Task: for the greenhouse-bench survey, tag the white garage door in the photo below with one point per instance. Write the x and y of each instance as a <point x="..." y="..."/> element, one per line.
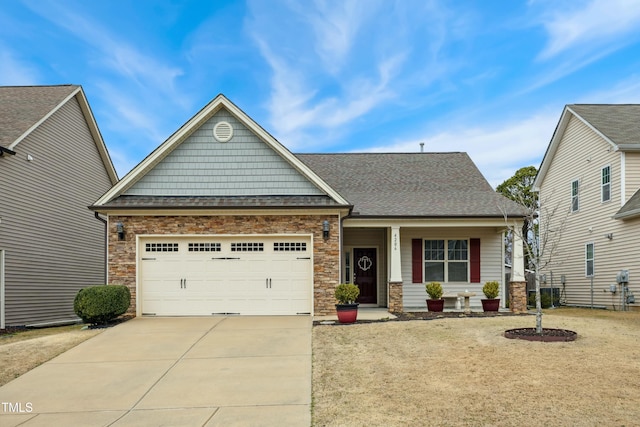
<point x="189" y="276"/>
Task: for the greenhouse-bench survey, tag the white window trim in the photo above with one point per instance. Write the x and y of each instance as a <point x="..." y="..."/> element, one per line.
<point x="602" y="185"/>
<point x="586" y="260"/>
<point x="446" y="259"/>
<point x="577" y="196"/>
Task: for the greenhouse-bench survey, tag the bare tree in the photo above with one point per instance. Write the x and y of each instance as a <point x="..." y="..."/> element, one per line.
<point x="519" y="188"/>
<point x="540" y="240"/>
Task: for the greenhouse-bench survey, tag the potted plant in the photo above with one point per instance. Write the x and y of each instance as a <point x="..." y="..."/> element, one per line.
<point x="347" y="308"/>
<point x="491" y="291"/>
<point x="435" y="301"/>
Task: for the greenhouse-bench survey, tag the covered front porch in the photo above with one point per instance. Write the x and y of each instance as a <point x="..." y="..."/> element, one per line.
<point x="391" y="260"/>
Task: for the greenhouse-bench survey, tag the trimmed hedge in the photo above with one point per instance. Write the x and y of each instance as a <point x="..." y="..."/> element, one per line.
<point x="102" y="303"/>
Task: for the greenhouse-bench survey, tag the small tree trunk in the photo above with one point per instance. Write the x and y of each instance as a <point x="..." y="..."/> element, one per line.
<point x="538" y="305"/>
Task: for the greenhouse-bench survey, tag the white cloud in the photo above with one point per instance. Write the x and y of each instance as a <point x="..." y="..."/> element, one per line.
<point x="498" y="149"/>
<point x="15" y="72"/>
<point x="153" y="77"/>
<point x="352" y="59"/>
<point x="590" y="27"/>
<point x="336" y="25"/>
<point x="623" y="92"/>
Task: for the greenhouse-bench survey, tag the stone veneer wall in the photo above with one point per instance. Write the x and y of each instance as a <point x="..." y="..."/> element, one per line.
<point x="518" y="297"/>
<point x="326" y="253"/>
<point x="395" y="297"/>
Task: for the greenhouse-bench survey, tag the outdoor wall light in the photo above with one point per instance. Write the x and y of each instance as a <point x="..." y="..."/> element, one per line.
<point x="609" y="236"/>
<point x="325" y="229"/>
<point x="120" y="230"/>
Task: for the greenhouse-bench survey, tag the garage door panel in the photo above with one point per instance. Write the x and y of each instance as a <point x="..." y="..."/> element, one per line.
<point x="245" y="275"/>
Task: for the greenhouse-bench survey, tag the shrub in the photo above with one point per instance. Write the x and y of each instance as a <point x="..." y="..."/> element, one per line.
<point x="347" y="293"/>
<point x="102" y="303"/>
<point x="434" y="289"/>
<point x="545" y="300"/>
<point x="491" y="290"/>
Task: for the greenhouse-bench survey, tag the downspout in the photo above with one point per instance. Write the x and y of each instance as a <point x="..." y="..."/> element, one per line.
<point x="104" y="221"/>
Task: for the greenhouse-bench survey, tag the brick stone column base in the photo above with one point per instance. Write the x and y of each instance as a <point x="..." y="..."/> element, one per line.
<point x="518" y="297"/>
<point x="395" y="297"/>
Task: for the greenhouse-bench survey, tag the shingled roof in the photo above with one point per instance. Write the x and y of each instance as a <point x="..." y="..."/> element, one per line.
<point x="225" y="202"/>
<point x="619" y="123"/>
<point x="21" y="107"/>
<point x="411" y="184"/>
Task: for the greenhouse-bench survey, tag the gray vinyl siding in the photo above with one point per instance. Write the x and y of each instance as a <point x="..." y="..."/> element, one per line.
<point x="632" y="176"/>
<point x="53" y="244"/>
<point x="491" y="263"/>
<point x="243" y="166"/>
<point x="582" y="154"/>
<point x="370" y="238"/>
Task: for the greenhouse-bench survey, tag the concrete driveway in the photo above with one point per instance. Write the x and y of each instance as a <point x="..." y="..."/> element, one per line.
<point x="205" y="371"/>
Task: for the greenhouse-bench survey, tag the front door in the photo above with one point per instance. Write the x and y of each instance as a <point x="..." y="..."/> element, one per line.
<point x="366" y="274"/>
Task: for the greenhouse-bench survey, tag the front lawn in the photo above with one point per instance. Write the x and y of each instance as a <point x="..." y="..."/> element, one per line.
<point x="463" y="372"/>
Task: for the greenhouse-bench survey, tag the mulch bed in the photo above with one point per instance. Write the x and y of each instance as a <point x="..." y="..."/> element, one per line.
<point x="431" y="315"/>
<point x="529" y="334"/>
<point x="10" y="330"/>
<point x="547" y="335"/>
<point x="113" y="322"/>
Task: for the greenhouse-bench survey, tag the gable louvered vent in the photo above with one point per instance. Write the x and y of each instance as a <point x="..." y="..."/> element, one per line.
<point x="223" y="131"/>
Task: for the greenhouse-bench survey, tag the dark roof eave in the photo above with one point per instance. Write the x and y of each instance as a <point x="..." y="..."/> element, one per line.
<point x="6" y="150"/>
<point x="99" y="208"/>
<point x="357" y="216"/>
<point x="627" y="215"/>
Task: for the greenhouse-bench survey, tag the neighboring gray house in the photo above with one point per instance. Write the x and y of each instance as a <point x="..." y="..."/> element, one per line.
<point x="590" y="175"/>
<point x="53" y="165"/>
<point x="222" y="218"/>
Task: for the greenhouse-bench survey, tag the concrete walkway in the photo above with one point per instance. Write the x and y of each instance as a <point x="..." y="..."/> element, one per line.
<point x="210" y="371"/>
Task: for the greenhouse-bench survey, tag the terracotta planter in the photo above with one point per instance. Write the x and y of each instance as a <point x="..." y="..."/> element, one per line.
<point x="435" y="304"/>
<point x="347" y="313"/>
<point x="491" y="304"/>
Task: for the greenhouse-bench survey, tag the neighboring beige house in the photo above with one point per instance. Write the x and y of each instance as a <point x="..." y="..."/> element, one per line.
<point x="591" y="174"/>
<point x="53" y="164"/>
<point x="222" y="218"/>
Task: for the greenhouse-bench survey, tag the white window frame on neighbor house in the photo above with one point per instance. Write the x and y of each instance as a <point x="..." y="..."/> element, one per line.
<point x="446" y="260"/>
<point x="589" y="261"/>
<point x="575" y="195"/>
<point x="605" y="184"/>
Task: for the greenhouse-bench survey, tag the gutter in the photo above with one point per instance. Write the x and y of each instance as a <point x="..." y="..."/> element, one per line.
<point x="104" y="221"/>
<point x="6" y="150"/>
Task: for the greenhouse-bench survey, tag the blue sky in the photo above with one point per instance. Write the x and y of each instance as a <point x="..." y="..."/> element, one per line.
<point x="486" y="77"/>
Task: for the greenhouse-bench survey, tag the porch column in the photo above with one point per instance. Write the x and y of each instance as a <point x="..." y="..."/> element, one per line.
<point x="518" y="285"/>
<point x="517" y="261"/>
<point x="395" y="272"/>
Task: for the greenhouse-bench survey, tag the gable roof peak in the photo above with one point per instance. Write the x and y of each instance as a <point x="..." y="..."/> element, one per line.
<point x="25" y="108"/>
<point x="193" y="124"/>
<point x="617" y="124"/>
